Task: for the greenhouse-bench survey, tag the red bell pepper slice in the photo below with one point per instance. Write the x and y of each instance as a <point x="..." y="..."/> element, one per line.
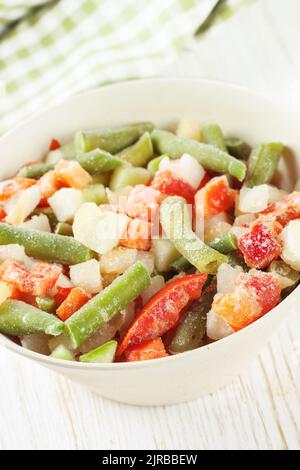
<point x="265" y="287"/>
<point x="285" y="210"/>
<point x="11" y="187"/>
<point x="39" y="281"/>
<point x="2" y="213"/>
<point x="54" y="145"/>
<point x="261" y="245"/>
<point x="163" y="310"/>
<point x="146" y="351"/>
<point x="168" y="184"/>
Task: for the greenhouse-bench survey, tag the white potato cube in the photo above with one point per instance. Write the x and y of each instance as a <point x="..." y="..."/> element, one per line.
<point x="118" y="260"/>
<point x="24" y="204"/>
<point x="65" y="202"/>
<point x="189" y="128"/>
<point x="87" y="276"/>
<point x="290" y="237"/>
<point x="147" y="259"/>
<point x="226" y="277"/>
<point x="38" y="222"/>
<point x="99" y="231"/>
<point x="16" y="253"/>
<point x="257" y="199"/>
<point x="164" y="254"/>
<point x="217" y="327"/>
<point x="244" y="219"/>
<point x="186" y="168"/>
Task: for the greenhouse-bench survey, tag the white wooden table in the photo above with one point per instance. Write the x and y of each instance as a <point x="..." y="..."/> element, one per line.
<point x="258" y="48"/>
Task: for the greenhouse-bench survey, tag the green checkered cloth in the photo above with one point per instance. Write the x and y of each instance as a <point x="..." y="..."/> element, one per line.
<point x="66" y="46"/>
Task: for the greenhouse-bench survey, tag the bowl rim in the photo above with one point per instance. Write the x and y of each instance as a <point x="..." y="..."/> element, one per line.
<point x="171" y="359"/>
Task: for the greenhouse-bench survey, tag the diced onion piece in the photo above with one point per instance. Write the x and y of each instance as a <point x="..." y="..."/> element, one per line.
<point x="244" y="219"/>
<point x="238" y="231"/>
<point x="147" y="259"/>
<point x="164" y="254"/>
<point x="100" y="231"/>
<point x="185" y="168"/>
<point x="106" y="333"/>
<point x="118" y="260"/>
<point x="189" y="128"/>
<point x="38" y="222"/>
<point x="64" y="281"/>
<point x="119" y="198"/>
<point x="291" y="247"/>
<point x="17" y="253"/>
<point x="5" y="291"/>
<point x="285" y="275"/>
<point x="217" y="327"/>
<point x="87" y="276"/>
<point x="257" y="199"/>
<point x="65" y="202"/>
<point x="157" y="283"/>
<point x="216" y="231"/>
<point x="26" y="201"/>
<point x="226" y="277"/>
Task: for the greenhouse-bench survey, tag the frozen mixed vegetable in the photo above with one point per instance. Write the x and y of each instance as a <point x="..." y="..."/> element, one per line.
<point x="136" y="243"/>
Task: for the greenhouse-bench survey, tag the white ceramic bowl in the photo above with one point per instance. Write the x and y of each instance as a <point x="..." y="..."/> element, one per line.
<point x="189" y="375"/>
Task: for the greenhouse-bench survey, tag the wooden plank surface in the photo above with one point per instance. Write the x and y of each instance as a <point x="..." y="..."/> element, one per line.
<point x="258" y="48"/>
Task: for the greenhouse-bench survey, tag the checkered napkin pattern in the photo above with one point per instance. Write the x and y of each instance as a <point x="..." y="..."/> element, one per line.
<point x="67" y="46"/>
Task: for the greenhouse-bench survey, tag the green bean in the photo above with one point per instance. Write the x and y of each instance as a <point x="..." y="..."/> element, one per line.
<point x="238" y="148"/>
<point x="139" y="153"/>
<point x="112" y="140"/>
<point x="62" y="352"/>
<point x="47" y="304"/>
<point x="191" y="331"/>
<point x="95" y="193"/>
<point x="128" y="176"/>
<point x="181" y="264"/>
<point x="263" y="162"/>
<point x="210" y="157"/>
<point x="213" y="135"/>
<point x="153" y="165"/>
<point x="62" y="228"/>
<point x="104" y="353"/>
<point x="35" y="171"/>
<point x="49" y="213"/>
<point x="225" y="244"/>
<point x="101" y="178"/>
<point x="98" y="161"/>
<point x="175" y="221"/>
<point x="45" y="246"/>
<point x="101" y="308"/>
<point x="18" y="319"/>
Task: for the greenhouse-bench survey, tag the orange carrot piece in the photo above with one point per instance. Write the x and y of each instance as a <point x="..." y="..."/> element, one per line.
<point x="215" y="197"/>
<point x="75" y="300"/>
<point x="11" y="187"/>
<point x="146" y="351"/>
<point x="138" y="235"/>
<point x="72" y="174"/>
